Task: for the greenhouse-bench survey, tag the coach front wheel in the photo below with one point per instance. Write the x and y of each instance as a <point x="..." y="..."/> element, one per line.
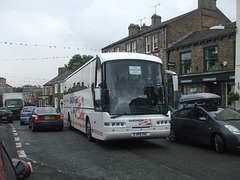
<point x="89" y="130"/>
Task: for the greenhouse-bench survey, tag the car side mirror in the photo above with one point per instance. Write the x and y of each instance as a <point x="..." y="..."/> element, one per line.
<point x="203" y="119"/>
<point x="23" y="170"/>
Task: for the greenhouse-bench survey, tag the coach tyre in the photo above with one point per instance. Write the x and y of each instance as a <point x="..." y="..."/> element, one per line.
<point x="88" y="130"/>
<point x="69" y="124"/>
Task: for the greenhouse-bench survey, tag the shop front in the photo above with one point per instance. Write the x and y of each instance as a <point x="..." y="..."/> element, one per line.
<point x="221" y="83"/>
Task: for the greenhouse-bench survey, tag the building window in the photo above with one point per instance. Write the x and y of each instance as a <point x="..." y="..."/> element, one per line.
<point x="148" y="44"/>
<point x="128" y="47"/>
<point x="134" y="46"/>
<point x="61" y="90"/>
<point x="186" y="63"/>
<point x="117" y="49"/>
<point x="155" y="42"/>
<point x="51" y="90"/>
<point x="211" y="58"/>
<point x="56" y="88"/>
<point x="56" y="102"/>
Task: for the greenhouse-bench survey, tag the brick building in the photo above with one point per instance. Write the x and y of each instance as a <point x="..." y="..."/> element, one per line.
<point x="4" y="88"/>
<point x="205" y="61"/>
<point x="161" y="38"/>
<point x="159" y="35"/>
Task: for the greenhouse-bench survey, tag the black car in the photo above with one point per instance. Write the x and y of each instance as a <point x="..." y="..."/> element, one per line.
<point x="6" y="115"/>
<point x="22" y="170"/>
<point x="46" y="117"/>
<point x="206" y="123"/>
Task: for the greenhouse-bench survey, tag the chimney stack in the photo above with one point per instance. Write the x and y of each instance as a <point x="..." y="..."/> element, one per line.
<point x="133" y="29"/>
<point x="156" y="19"/>
<point x="207" y="4"/>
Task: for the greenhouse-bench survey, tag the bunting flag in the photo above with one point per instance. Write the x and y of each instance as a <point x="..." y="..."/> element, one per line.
<point x="44" y="58"/>
<point x="47" y="46"/>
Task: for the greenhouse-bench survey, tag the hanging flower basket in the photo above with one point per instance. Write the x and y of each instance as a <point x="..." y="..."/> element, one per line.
<point x="233" y="96"/>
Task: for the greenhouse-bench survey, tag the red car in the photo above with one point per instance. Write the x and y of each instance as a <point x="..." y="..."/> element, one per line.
<point x="10" y="172"/>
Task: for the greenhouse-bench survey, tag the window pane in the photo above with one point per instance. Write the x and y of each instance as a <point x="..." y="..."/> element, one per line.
<point x="186" y="63"/>
<point x="211" y="58"/>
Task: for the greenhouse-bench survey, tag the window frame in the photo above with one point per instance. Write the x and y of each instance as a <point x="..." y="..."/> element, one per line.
<point x="148" y="44"/>
<point x="184" y="64"/>
<point x="155" y="41"/>
<point x="207" y="61"/>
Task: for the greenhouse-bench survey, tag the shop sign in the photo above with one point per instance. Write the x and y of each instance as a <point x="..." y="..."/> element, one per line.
<point x="186" y="81"/>
<point x="209" y="79"/>
<point x="171" y="64"/>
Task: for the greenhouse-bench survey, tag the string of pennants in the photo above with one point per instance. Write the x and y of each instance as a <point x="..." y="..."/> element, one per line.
<point x="47" y="46"/>
<point x="43" y="58"/>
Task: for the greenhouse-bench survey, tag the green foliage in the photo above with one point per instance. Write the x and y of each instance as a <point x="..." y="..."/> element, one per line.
<point x="79" y="59"/>
<point x="233" y="96"/>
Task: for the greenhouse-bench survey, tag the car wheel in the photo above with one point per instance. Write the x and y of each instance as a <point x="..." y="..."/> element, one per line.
<point x="33" y="128"/>
<point x="89" y="131"/>
<point x="60" y="128"/>
<point x="172" y="136"/>
<point x="219" y="144"/>
<point x="21" y="123"/>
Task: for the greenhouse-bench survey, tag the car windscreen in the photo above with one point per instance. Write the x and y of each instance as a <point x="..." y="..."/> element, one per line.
<point x="225" y="114"/>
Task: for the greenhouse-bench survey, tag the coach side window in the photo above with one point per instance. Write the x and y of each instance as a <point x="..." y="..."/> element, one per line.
<point x="98" y="73"/>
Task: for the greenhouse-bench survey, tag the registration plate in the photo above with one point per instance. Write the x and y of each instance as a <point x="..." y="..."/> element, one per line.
<point x="4" y="117"/>
<point x="50" y="117"/>
<point x="139" y="134"/>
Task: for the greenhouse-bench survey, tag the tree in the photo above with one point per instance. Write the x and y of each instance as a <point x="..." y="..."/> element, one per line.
<point x="80" y="59"/>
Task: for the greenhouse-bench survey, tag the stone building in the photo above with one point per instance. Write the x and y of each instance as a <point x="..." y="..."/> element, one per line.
<point x="205" y="61"/>
<point x="160" y="38"/>
<point x="159" y="35"/>
<point x="53" y="90"/>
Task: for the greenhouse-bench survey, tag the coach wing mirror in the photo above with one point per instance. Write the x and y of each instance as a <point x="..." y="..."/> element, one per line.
<point x="174" y="79"/>
<point x="97" y="94"/>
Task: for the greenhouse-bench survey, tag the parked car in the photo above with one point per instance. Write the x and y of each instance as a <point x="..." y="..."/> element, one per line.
<point x="204" y="122"/>
<point x="46" y="117"/>
<point x="7" y="169"/>
<point x="25" y="114"/>
<point x="6" y="115"/>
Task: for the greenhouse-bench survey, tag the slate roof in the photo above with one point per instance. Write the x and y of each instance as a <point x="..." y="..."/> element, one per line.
<point x="204" y="36"/>
<point x="58" y="78"/>
<point x="151" y="29"/>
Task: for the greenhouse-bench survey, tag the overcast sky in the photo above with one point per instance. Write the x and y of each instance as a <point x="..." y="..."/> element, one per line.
<point x="38" y="36"/>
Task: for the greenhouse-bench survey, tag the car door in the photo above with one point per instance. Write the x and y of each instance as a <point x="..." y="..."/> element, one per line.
<point x="199" y="125"/>
<point x="179" y="121"/>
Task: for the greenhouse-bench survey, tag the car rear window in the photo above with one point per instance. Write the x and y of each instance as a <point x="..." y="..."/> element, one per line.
<point x="28" y="109"/>
<point x="46" y="110"/>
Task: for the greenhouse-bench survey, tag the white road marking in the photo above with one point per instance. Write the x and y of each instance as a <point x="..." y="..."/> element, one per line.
<point x="21" y="153"/>
<point x="16" y="138"/>
<point x="18" y="145"/>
